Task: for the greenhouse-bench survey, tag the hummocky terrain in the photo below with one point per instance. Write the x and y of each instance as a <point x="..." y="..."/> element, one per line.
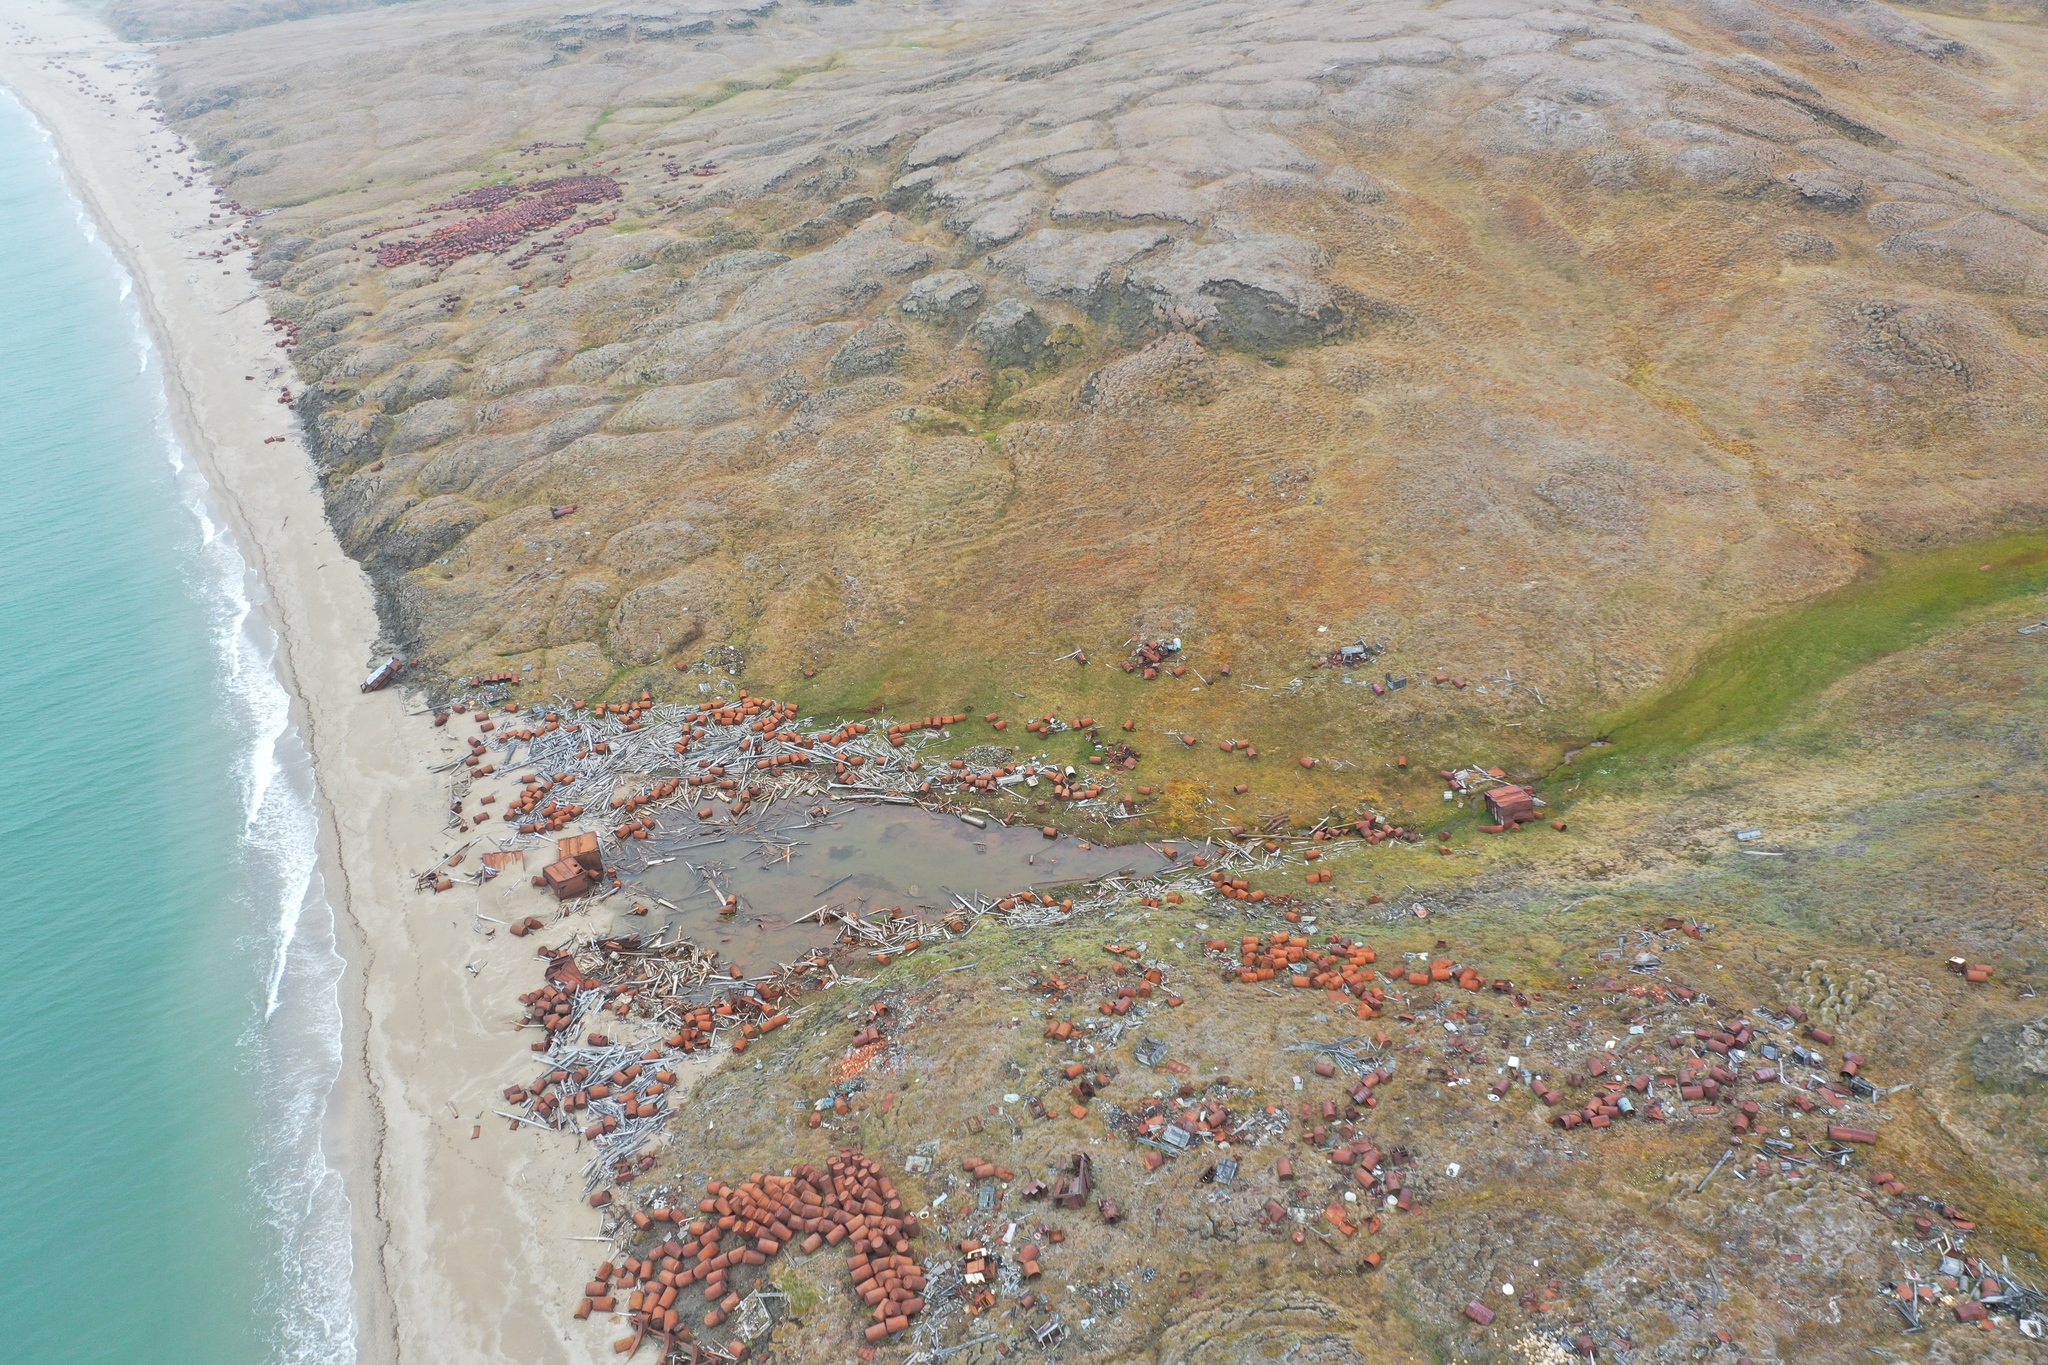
<point x="1547" y="338"/>
<point x="1668" y="373"/>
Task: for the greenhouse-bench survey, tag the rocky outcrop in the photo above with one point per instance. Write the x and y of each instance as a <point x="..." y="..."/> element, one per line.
<point x="2014" y="1055"/>
<point x="875" y="349"/>
<point x="1129" y="194"/>
<point x="1010" y="333"/>
<point x="428" y="424"/>
<point x="1293" y="1326"/>
<point x="945" y="296"/>
<point x="581" y="609"/>
<point x="1985" y="252"/>
<point x="684" y="407"/>
<point x="1075" y="267"/>
<point x="427" y="530"/>
<point x="1174" y="369"/>
<point x="1257" y="291"/>
<point x="1320" y="258"/>
<point x="658" y="546"/>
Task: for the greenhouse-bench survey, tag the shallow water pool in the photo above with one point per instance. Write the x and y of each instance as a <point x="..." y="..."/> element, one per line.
<point x="862" y="857"/>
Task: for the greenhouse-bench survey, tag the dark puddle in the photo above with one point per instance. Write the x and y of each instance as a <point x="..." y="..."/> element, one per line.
<point x="865" y="858"/>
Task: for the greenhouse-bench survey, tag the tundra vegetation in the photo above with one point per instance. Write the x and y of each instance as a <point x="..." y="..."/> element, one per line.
<point x="1660" y="387"/>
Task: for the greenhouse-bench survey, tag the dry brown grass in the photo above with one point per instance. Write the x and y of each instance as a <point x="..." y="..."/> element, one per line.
<point x="1588" y="412"/>
<point x="1894" y="799"/>
<point x="1574" y="426"/>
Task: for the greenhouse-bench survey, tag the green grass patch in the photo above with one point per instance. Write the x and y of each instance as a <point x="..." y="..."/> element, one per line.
<point x="1765" y="674"/>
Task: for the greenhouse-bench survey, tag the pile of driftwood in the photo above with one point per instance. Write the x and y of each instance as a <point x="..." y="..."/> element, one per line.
<point x="619" y="1014"/>
<point x="645" y="767"/>
<point x="687" y="773"/>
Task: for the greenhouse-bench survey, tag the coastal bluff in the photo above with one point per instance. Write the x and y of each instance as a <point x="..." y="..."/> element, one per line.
<point x="1532" y="335"/>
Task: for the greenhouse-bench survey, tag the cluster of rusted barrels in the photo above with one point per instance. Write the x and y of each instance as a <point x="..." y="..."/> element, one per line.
<point x="769" y="719"/>
<point x="638" y="829"/>
<point x="1374" y="829"/>
<point x="898" y="732"/>
<point x="1444" y="969"/>
<point x="1262" y="959"/>
<point x="742" y="1227"/>
<point x="1204" y="1117"/>
<point x="764" y="715"/>
<point x="1152" y="655"/>
<point x="504" y="226"/>
<point x="555" y="815"/>
<point x="479" y="754"/>
<point x="568" y="1089"/>
<point x="1066" y="788"/>
<point x="1236" y="888"/>
<point x="697" y="1027"/>
<point x="552" y="1007"/>
<point x="660" y="791"/>
<point x="1340" y="965"/>
<point x="756" y="1028"/>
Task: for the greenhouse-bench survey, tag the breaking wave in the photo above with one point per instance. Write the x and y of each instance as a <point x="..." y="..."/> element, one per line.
<point x="291" y="1049"/>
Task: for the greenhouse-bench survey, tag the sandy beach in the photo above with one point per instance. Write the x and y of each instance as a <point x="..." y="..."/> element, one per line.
<point x="1542" y="497"/>
<point x="464" y="1248"/>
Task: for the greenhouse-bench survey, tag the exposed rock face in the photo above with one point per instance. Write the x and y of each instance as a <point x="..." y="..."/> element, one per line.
<point x="428" y="529"/>
<point x="954" y="140"/>
<point x="1805" y="244"/>
<point x="655" y="546"/>
<point x="1174" y="369"/>
<point x="410" y="385"/>
<point x="1681" y="308"/>
<point x="2030" y="318"/>
<point x="1985" y="252"/>
<point x="943" y="296"/>
<point x="1075" y="267"/>
<point x="351" y="437"/>
<point x="1129" y="194"/>
<point x="684" y="407"/>
<point x="1828" y="189"/>
<point x="1010" y="333"/>
<point x="874" y="349"/>
<point x="428" y="424"/>
<point x="581" y="609"/>
<point x="1260" y="291"/>
<point x="1291" y="1326"/>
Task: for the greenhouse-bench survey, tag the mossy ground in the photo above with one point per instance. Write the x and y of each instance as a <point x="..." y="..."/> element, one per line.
<point x="1760" y="696"/>
<point x="1764" y="676"/>
<point x="1886" y="742"/>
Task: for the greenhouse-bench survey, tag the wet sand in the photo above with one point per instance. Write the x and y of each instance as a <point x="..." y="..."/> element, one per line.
<point x="469" y="1248"/>
<point x="464" y="1247"/>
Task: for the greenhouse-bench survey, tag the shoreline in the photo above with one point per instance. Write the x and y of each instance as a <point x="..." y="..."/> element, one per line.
<point x="468" y="1241"/>
<point x="456" y="1254"/>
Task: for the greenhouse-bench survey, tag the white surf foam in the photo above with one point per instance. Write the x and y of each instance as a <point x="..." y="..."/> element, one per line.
<point x="292" y="1049"/>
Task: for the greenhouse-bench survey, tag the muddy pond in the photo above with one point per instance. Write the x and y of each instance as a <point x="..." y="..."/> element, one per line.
<point x="862" y="857"/>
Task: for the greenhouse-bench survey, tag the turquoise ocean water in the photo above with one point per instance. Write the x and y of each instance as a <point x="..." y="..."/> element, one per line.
<point x="171" y="1032"/>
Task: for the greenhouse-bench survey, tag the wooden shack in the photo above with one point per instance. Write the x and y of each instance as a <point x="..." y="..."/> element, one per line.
<point x="1511" y="805"/>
